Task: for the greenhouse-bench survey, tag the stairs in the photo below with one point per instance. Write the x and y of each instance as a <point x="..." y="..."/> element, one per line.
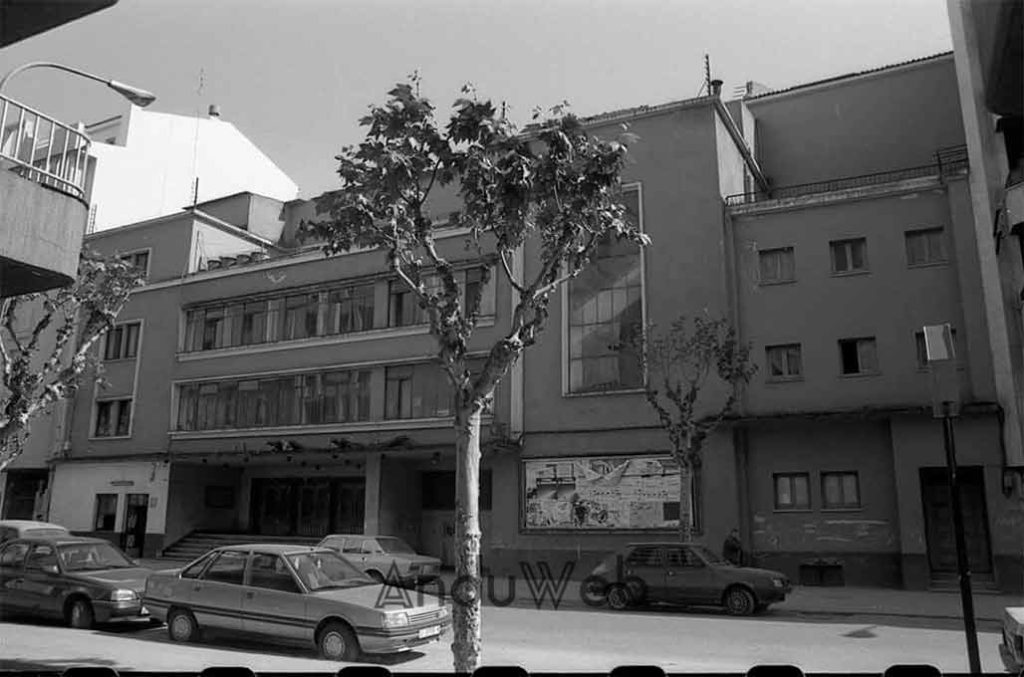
<point x="198" y="543"/>
<point x="983" y="584"/>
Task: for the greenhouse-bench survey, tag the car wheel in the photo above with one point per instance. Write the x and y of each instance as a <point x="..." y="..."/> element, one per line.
<point x="619" y="597"/>
<point x="80" y="615"/>
<point x="376" y="576"/>
<point x="182" y="626"/>
<point x="739" y="601"/>
<point x="337" y="642"/>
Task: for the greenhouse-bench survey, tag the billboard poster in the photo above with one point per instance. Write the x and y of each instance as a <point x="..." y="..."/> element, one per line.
<point x="612" y="492"/>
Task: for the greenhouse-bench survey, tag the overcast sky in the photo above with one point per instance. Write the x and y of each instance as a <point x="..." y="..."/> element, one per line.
<point x="296" y="75"/>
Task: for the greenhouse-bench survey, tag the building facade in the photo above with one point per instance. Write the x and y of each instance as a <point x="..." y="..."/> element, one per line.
<point x="257" y="387"/>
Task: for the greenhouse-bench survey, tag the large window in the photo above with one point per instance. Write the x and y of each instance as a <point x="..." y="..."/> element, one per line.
<point x="417" y="391"/>
<point x="122" y="341"/>
<point x="605" y="309"/>
<point x="113" y="418"/>
<point x="106" y="512"/>
<point x="300" y="316"/>
<point x="349" y="310"/>
<point x="303" y="399"/>
<point x="404" y="309"/>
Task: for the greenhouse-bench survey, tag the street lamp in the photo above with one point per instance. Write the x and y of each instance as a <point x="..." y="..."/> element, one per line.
<point x="139" y="97"/>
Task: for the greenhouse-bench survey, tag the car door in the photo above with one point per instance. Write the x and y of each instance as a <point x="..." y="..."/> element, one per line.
<point x="217" y="594"/>
<point x="374" y="557"/>
<point x="688" y="580"/>
<point x="644" y="564"/>
<point x="42" y="583"/>
<point x="12" y="576"/>
<point x="273" y="602"/>
<point x="352" y="550"/>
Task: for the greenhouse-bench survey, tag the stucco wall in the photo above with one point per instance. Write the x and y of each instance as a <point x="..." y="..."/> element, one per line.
<point x="187" y="509"/>
<point x="75" y="486"/>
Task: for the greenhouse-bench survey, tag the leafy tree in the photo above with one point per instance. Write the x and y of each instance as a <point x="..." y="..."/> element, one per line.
<point x="47" y="341"/>
<point x="679" y="362"/>
<point x="554" y="184"/>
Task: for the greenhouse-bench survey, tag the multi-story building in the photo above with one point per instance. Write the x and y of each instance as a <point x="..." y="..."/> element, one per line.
<point x="257" y="387"/>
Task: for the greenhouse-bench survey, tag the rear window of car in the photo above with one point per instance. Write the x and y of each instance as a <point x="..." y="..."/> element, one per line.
<point x="46" y="531"/>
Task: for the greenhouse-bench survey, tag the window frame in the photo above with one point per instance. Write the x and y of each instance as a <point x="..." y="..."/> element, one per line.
<point x="132" y="256"/>
<point x="794" y="505"/>
<point x="224" y="555"/>
<point x="845" y="505"/>
<point x="116" y="405"/>
<point x="921" y="351"/>
<point x="113" y="514"/>
<point x="788" y="376"/>
<point x="767" y="282"/>
<point x="123" y="344"/>
<point x="929" y="260"/>
<point x="857" y="340"/>
<point x="847" y="246"/>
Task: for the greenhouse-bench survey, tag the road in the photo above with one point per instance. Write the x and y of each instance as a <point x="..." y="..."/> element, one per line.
<point x="548" y="640"/>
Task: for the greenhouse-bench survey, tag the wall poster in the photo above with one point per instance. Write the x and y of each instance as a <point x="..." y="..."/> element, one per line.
<point x="611" y="492"/>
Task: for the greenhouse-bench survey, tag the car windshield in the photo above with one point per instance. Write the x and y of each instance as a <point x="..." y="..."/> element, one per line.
<point x="395" y="546"/>
<point x="321" y="570"/>
<point x="710" y="557"/>
<point x="92" y="557"/>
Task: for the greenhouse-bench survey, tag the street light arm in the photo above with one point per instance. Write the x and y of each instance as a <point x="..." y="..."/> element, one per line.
<point x="139" y="97"/>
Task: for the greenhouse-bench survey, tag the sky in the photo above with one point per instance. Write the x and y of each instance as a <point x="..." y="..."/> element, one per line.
<point x="295" y="76"/>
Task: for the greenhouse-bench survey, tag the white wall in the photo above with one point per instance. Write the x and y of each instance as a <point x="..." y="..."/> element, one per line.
<point x="152" y="173"/>
<point x="75" y="486"/>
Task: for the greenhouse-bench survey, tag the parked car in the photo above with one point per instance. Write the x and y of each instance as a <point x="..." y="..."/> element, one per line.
<point x="1012" y="648"/>
<point x="678" y="573"/>
<point x="385" y="558"/>
<point x="10" y="529"/>
<point x="82" y="581"/>
<point x="306" y="594"/>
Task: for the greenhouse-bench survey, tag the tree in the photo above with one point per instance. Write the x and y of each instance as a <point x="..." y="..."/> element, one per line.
<point x="679" y="363"/>
<point x="47" y="341"/>
<point x="554" y="185"/>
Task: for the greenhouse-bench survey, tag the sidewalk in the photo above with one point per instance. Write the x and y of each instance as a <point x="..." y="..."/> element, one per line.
<point x="838" y="601"/>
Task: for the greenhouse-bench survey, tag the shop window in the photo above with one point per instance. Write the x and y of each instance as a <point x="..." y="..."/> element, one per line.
<point x="106" y="512"/>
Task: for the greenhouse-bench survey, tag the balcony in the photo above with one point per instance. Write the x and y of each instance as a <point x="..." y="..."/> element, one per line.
<point x="948" y="161"/>
<point x="43" y="208"/>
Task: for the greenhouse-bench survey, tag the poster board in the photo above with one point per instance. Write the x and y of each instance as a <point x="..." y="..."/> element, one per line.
<point x="601" y="493"/>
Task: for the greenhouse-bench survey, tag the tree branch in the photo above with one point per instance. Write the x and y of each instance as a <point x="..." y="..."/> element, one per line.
<point x="508" y="272"/>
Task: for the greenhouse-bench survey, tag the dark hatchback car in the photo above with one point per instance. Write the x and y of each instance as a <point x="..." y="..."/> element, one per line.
<point x="82" y="581"/>
<point x="684" y="574"/>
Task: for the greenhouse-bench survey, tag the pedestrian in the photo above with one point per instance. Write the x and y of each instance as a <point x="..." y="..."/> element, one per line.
<point x="732" y="549"/>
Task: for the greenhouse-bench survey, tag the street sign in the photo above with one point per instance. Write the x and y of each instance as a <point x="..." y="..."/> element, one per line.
<point x="942" y="365"/>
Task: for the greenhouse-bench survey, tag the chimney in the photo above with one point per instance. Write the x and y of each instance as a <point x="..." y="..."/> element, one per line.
<point x="214" y="111"/>
<point x="716" y="88"/>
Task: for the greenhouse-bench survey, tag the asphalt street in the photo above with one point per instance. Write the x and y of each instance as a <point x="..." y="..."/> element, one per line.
<point x="547" y="640"/>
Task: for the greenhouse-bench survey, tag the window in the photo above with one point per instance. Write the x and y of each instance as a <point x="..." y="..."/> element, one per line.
<point x="777" y="265"/>
<point x="849" y="256"/>
<point x="683" y="558"/>
<point x="252" y="329"/>
<point x="106" y="512"/>
<point x="194" y="570"/>
<point x="784" y="362"/>
<point x="304" y="399"/>
<point x="858" y="356"/>
<point x="605" y="310"/>
<point x="417" y="391"/>
<point x="350" y="309"/>
<point x="13" y="555"/>
<point x="271" y="572"/>
<point x="645" y="556"/>
<point x="925" y="246"/>
<point x="41" y="557"/>
<point x="300" y="316"/>
<point x="403" y="305"/>
<point x="438" y="489"/>
<point x="470" y="282"/>
<point x="792" y="491"/>
<point x="840" y="490"/>
<point x="113" y="418"/>
<point x="122" y="341"/>
<point x="922" y="349"/>
<point x="139" y="260"/>
<point x="229" y="567"/>
<point x="214" y="329"/>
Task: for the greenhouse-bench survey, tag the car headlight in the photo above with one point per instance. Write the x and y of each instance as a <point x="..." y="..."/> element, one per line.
<point x="778" y="583"/>
<point x="123" y="596"/>
<point x="396" y="619"/>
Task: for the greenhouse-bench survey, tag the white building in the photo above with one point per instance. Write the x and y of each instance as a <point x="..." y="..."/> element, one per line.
<point x="146" y="165"/>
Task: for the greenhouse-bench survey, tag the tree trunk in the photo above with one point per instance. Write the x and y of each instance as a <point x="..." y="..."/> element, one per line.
<point x="685" y="503"/>
<point x="466" y="594"/>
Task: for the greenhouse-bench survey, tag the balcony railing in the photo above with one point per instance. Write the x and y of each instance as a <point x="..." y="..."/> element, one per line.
<point x="41" y="149"/>
<point x="947" y="161"/>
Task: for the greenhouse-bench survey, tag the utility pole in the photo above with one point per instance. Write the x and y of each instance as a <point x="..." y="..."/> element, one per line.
<point x="945" y="388"/>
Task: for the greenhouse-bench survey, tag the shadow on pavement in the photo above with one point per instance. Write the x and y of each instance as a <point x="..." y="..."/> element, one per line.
<point x="54" y="665"/>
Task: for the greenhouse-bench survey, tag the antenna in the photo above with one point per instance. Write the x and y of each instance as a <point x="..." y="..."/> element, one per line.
<point x="707" y="74"/>
<point x="195" y="141"/>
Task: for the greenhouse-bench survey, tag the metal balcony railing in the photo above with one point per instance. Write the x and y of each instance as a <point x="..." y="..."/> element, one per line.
<point x="41" y="149"/>
<point x="947" y="161"/>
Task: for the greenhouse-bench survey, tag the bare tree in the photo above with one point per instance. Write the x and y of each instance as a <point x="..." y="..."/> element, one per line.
<point x="47" y="341"/>
<point x="679" y="363"/>
<point x="555" y="185"/>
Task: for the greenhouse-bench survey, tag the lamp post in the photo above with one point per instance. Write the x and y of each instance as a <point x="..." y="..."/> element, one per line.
<point x="136" y="95"/>
<point x="945" y="388"/>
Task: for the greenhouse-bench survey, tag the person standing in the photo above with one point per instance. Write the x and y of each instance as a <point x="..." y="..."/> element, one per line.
<point x="732" y="549"/>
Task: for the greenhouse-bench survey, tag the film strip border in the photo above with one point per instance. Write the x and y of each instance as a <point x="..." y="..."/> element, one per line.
<point x="909" y="670"/>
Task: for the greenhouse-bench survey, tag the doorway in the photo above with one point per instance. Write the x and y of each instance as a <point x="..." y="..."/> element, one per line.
<point x="311" y="507"/>
<point x="938" y="518"/>
<point x="136" y="512"/>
